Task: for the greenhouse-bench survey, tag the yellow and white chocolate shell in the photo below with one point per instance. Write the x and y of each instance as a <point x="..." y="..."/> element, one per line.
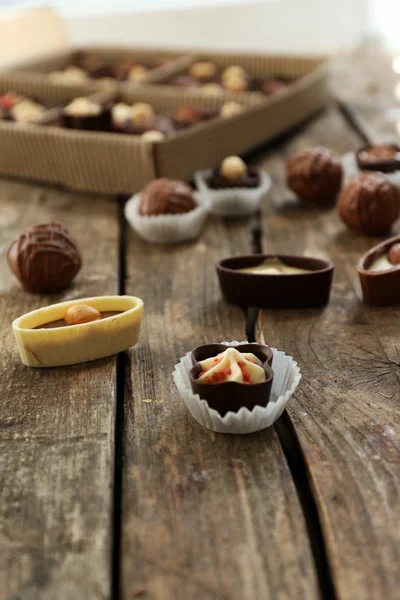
<point x="74" y="344"/>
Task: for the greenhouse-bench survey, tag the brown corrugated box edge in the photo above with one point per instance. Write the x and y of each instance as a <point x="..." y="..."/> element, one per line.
<point x="121" y="164"/>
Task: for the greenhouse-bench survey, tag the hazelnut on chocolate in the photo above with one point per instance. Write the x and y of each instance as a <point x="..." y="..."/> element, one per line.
<point x="137" y="73"/>
<point x="81" y="313"/>
<point x="233" y="71"/>
<point x="166" y="197"/>
<point x="44" y="258"/>
<point x="235" y="84"/>
<point x="229" y="109"/>
<point x="394" y="254"/>
<point x="369" y="204"/>
<point x="142" y="110"/>
<point x="233" y="167"/>
<point x="315" y="175"/>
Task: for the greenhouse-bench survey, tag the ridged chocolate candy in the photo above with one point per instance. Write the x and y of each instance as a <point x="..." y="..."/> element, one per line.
<point x="315" y="175"/>
<point x="166" y="197"/>
<point x="370" y="204"/>
<point x="44" y="258"/>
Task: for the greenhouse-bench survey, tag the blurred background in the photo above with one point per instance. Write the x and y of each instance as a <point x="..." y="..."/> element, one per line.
<point x="269" y="25"/>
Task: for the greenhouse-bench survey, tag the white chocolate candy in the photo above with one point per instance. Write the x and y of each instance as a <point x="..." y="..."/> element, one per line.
<point x="229" y="109"/>
<point x="203" y="69"/>
<point x="141" y="110"/>
<point x="83" y="107"/>
<point x="233" y="167"/>
<point x="69" y="75"/>
<point x="27" y="111"/>
<point x="152" y="136"/>
<point x="232" y="365"/>
<point x="273" y="266"/>
<point x="121" y="113"/>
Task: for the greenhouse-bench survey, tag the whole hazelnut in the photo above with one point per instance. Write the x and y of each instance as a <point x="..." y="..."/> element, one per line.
<point x="229" y="109"/>
<point x="233" y="167"/>
<point x="369" y="204"/>
<point x="81" y="313"/>
<point x="152" y="136"/>
<point x="233" y="71"/>
<point x="235" y="84"/>
<point x="141" y="110"/>
<point x="203" y="70"/>
<point x="82" y="107"/>
<point x="394" y="254"/>
<point x="315" y="175"/>
<point x="137" y="73"/>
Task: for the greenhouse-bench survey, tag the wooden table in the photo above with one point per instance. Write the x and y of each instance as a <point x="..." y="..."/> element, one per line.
<point x="109" y="488"/>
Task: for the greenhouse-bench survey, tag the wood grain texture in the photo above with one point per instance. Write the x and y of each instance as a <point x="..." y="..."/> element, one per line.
<point x="56" y="425"/>
<point x="205" y="516"/>
<point x="346" y="411"/>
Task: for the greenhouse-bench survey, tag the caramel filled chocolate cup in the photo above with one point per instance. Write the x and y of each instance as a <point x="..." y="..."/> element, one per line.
<point x="379" y="288"/>
<point x="384" y="158"/>
<point x="302" y="290"/>
<point x="230" y="395"/>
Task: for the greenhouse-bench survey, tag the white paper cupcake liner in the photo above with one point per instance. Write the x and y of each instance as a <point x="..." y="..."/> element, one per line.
<point x="286" y="379"/>
<point x="351" y="170"/>
<point x="233" y="202"/>
<point x="167" y="229"/>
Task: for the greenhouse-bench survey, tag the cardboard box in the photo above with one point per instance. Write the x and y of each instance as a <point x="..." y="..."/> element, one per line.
<point x="122" y="164"/>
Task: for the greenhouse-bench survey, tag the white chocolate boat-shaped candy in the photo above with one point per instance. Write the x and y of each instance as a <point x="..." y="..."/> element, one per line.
<point x="72" y="344"/>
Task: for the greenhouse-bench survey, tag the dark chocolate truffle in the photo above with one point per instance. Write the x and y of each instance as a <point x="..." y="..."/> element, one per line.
<point x="315" y="175"/>
<point x="166" y="197"/>
<point x="45" y="258"/>
<point x="369" y="204"/>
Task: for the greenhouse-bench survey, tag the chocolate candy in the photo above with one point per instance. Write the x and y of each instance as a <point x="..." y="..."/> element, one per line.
<point x="369" y="204"/>
<point x="394" y="254"/>
<point x="315" y="175"/>
<point x="189" y="115"/>
<point x="166" y="197"/>
<point x="384" y="158"/>
<point x="44" y="258"/>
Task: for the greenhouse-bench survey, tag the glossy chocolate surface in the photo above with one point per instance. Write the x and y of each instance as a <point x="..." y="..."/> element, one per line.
<point x="62" y="323"/>
<point x="231" y="395"/>
<point x="380" y="288"/>
<point x="44" y="258"/>
<point x="301" y="290"/>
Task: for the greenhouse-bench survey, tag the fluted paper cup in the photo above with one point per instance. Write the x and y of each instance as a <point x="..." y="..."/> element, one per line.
<point x="286" y="379"/>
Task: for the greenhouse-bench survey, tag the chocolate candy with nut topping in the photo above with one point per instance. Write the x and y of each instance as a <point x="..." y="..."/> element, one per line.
<point x="44" y="258"/>
<point x="166" y="197"/>
<point x="315" y="175"/>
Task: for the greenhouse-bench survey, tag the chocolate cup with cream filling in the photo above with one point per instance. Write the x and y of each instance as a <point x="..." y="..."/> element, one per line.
<point x="300" y="290"/>
<point x="379" y="288"/>
<point x="230" y="395"/>
<point x="383" y="157"/>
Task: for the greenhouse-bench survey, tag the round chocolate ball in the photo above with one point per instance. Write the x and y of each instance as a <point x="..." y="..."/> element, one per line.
<point x="369" y="204"/>
<point x="315" y="175"/>
<point x="166" y="197"/>
<point x="189" y="115"/>
<point x="44" y="258"/>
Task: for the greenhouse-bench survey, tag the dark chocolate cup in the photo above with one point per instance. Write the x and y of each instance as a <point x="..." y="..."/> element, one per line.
<point x="303" y="290"/>
<point x="388" y="165"/>
<point x="381" y="288"/>
<point x="101" y="122"/>
<point x="229" y="395"/>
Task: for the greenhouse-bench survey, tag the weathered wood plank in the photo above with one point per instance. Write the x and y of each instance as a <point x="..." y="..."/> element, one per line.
<point x="205" y="516"/>
<point x="56" y="425"/>
<point x="346" y="411"/>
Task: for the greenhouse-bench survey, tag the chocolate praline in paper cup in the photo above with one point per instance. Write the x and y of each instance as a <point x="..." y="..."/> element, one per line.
<point x="167" y="229"/>
<point x="233" y="201"/>
<point x="286" y="379"/>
